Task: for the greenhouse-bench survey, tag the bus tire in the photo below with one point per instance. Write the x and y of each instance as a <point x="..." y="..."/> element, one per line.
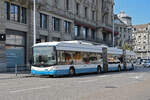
<point x="132" y="67"/>
<point x="54" y="76"/>
<point x="99" y="69"/>
<point x="71" y="71"/>
<point x="119" y="68"/>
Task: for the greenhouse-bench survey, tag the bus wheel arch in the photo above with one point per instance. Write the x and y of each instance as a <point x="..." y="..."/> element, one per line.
<point x="99" y="69"/>
<point x="72" y="71"/>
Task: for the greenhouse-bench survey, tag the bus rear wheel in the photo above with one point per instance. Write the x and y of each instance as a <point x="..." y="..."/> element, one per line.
<point x="99" y="70"/>
<point x="132" y="67"/>
<point x="72" y="71"/>
<point x="119" y="68"/>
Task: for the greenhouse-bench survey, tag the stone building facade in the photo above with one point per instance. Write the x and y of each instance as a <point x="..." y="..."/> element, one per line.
<point x="141" y="34"/>
<point x="56" y="20"/>
<point x="123" y="25"/>
<point x="2" y="43"/>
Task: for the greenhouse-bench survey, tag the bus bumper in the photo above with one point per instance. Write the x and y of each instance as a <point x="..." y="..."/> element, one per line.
<point x="35" y="72"/>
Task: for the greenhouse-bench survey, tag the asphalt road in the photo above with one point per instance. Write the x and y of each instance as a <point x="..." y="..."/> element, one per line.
<point x="131" y="85"/>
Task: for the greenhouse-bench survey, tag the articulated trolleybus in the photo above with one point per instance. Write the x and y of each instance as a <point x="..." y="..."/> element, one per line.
<point x="75" y="57"/>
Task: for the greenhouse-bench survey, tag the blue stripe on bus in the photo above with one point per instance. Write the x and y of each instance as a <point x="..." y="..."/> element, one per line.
<point x="86" y="70"/>
<point x="77" y="71"/>
<point x="112" y="68"/>
<point x="36" y="72"/>
<point x="129" y="67"/>
<point x="63" y="72"/>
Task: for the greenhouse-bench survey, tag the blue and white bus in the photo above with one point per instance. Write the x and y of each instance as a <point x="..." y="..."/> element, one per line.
<point x="74" y="57"/>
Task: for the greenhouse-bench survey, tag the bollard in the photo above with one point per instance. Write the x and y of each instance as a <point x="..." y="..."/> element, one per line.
<point x="105" y="62"/>
<point x="124" y="60"/>
<point x="16" y="69"/>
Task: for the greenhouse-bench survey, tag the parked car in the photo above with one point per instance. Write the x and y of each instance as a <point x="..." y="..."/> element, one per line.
<point x="138" y="61"/>
<point x="146" y="63"/>
<point x="143" y="61"/>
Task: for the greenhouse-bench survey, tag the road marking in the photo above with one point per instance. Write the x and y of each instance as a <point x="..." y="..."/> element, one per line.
<point x="97" y="79"/>
<point x="137" y="77"/>
<point x="29" y="89"/>
<point x="104" y="76"/>
<point x="85" y="81"/>
<point x="114" y="76"/>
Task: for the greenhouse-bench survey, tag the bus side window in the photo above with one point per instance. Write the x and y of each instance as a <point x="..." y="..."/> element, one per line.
<point x="53" y="56"/>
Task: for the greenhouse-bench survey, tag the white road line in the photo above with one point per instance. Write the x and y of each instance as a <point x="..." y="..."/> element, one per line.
<point x="137" y="77"/>
<point x="110" y="76"/>
<point x="97" y="78"/>
<point x="29" y="89"/>
<point x="85" y="81"/>
<point x="104" y="76"/>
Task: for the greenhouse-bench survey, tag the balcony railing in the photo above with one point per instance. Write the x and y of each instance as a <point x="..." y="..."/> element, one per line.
<point x="105" y="10"/>
<point x="22" y="2"/>
<point x="85" y="20"/>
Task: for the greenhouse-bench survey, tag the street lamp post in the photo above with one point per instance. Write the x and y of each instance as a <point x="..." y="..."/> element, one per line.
<point x="113" y="37"/>
<point x="113" y="32"/>
<point x="34" y="22"/>
<point x="148" y="45"/>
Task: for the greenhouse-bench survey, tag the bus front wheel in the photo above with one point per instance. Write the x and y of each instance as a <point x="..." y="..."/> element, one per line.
<point x="71" y="71"/>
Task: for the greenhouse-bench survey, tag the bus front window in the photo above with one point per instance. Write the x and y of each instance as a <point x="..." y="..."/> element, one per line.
<point x="44" y="56"/>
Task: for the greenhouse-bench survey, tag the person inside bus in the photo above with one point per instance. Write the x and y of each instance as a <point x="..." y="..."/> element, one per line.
<point x="86" y="60"/>
<point x="71" y="62"/>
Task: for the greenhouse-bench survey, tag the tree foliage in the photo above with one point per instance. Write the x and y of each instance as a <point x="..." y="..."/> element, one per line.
<point x="127" y="46"/>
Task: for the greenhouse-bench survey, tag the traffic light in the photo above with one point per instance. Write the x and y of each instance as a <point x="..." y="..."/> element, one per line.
<point x="2" y="37"/>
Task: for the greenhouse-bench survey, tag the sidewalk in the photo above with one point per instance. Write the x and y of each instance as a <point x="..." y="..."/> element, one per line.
<point x="7" y="75"/>
<point x="13" y="75"/>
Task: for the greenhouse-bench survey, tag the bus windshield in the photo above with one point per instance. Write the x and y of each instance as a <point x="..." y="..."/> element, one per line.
<point x="44" y="56"/>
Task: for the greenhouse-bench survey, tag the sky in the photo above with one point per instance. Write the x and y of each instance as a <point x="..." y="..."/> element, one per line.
<point x="139" y="10"/>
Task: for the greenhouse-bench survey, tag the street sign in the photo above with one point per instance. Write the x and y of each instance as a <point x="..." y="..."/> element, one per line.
<point x="2" y="37"/>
